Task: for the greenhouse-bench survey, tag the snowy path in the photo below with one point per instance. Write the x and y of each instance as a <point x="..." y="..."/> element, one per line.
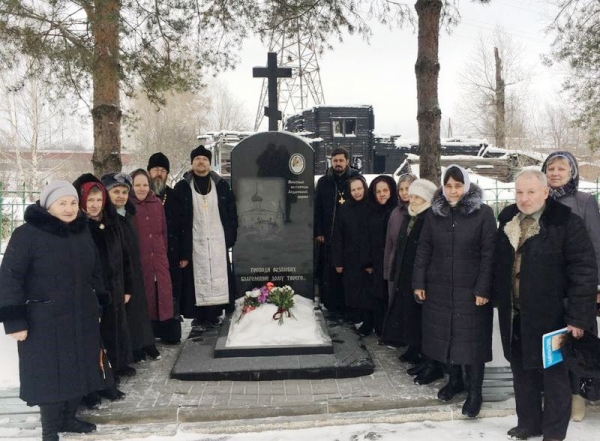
<point x="489" y="429"/>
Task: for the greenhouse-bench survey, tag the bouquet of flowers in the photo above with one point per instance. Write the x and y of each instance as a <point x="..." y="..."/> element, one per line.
<point x="253" y="299"/>
<point x="283" y="298"/>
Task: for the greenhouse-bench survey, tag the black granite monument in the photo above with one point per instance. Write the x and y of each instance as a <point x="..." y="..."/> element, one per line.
<point x="273" y="180"/>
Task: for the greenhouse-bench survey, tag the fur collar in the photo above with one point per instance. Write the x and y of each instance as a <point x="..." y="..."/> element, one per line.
<point x="41" y="219"/>
<point x="513" y="231"/>
<point x="469" y="203"/>
<point x="555" y="213"/>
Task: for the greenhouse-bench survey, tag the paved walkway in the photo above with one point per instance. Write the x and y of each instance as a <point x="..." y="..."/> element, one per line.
<point x="153" y="398"/>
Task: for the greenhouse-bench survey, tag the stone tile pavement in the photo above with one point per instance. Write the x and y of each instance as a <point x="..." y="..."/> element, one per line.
<point x="153" y="398"/>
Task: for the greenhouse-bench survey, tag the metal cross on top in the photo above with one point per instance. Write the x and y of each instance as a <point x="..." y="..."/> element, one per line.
<point x="272" y="73"/>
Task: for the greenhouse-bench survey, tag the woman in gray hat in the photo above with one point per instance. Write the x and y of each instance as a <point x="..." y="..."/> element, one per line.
<point x="49" y="281"/>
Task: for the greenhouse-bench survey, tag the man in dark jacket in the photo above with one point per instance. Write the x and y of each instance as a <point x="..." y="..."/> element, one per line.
<point x="546" y="279"/>
<point x="332" y="191"/>
<point x="158" y="169"/>
<point x="209" y="230"/>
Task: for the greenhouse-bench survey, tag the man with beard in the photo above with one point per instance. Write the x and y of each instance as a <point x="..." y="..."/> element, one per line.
<point x="332" y="191"/>
<point x="210" y="230"/>
<point x="158" y="169"/>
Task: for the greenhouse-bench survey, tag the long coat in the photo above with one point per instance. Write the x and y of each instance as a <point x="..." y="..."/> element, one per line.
<point x="391" y="237"/>
<point x="151" y="226"/>
<point x="585" y="206"/>
<point x="403" y="320"/>
<point x="350" y="250"/>
<point x="229" y="220"/>
<point x="454" y="264"/>
<point x="140" y="327"/>
<point x="109" y="238"/>
<point x="53" y="268"/>
<point x="557" y="264"/>
<point x="175" y="231"/>
<point x="377" y="231"/>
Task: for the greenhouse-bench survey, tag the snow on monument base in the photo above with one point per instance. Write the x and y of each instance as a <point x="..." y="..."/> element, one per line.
<point x="257" y="334"/>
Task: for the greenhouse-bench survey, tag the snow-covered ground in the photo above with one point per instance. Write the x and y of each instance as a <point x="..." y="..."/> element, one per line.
<point x="489" y="429"/>
<point x="9" y="361"/>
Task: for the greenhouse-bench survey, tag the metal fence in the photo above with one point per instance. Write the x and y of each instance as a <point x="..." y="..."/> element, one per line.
<point x="14" y="202"/>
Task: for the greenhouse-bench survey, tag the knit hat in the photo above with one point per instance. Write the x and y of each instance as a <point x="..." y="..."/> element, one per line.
<point x="201" y="151"/>
<point x="466" y="183"/>
<point x="158" y="160"/>
<point x="111" y="180"/>
<point x="422" y="188"/>
<point x="56" y="190"/>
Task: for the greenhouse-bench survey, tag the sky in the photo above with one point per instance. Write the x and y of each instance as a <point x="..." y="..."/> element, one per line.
<point x="381" y="72"/>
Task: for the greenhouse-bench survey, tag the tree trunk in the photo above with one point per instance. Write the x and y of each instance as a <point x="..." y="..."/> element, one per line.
<point x="427" y="70"/>
<point x="500" y="96"/>
<point x="106" y="111"/>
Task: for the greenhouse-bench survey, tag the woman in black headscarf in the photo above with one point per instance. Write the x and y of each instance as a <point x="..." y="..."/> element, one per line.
<point x="383" y="198"/>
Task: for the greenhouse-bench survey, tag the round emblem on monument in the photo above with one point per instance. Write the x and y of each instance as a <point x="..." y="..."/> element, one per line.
<point x="297" y="163"/>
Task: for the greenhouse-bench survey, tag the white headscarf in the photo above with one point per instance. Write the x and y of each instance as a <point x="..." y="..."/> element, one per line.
<point x="467" y="181"/>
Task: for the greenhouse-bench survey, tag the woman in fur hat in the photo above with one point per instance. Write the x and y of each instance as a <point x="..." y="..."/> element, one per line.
<point x="403" y="321"/>
<point x="50" y="282"/>
<point x="453" y="277"/>
<point x="118" y="186"/>
<point x="562" y="171"/>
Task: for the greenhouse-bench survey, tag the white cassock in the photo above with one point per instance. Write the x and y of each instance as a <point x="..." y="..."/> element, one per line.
<point x="209" y="251"/>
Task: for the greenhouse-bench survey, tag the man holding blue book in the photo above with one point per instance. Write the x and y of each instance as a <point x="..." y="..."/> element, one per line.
<point x="546" y="279"/>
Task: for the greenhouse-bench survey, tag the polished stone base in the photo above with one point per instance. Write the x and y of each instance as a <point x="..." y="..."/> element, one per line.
<point x="350" y="358"/>
<point x="224" y="351"/>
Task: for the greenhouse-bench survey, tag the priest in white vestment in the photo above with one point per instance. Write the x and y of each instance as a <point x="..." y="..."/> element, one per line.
<point x="210" y="230"/>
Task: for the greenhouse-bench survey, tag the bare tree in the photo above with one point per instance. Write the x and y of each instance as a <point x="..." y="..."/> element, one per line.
<point x="494" y="86"/>
<point x="226" y="111"/>
<point x="31" y="124"/>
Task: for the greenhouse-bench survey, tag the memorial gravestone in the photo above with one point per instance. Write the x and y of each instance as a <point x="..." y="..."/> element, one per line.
<point x="273" y="180"/>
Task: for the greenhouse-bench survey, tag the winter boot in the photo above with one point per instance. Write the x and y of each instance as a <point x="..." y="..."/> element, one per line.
<point x="51" y="416"/>
<point x="111" y="393"/>
<point x="412" y="355"/>
<point x="455" y="383"/>
<point x="417" y="368"/>
<point x="72" y="424"/>
<point x="432" y="371"/>
<point x="578" y="408"/>
<point x="472" y="406"/>
<point x="92" y="400"/>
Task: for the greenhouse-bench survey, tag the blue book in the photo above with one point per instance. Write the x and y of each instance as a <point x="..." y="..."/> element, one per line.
<point x="551" y="344"/>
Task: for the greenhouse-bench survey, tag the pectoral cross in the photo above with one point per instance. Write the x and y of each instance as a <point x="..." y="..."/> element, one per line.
<point x="342" y="200"/>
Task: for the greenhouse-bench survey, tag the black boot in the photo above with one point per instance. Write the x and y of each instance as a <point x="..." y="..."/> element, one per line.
<point x="111" y="393"/>
<point x="432" y="371"/>
<point x="417" y="368"/>
<point x="455" y="383"/>
<point x="72" y="424"/>
<point x="472" y="406"/>
<point x="51" y="416"/>
<point x="412" y="355"/>
<point x="92" y="400"/>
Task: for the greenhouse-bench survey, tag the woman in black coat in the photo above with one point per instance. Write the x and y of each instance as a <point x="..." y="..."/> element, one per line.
<point x="118" y="186"/>
<point x="453" y="276"/>
<point x="350" y="255"/>
<point x="383" y="198"/>
<point x="403" y="320"/>
<point x="49" y="280"/>
<point x="109" y="238"/>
